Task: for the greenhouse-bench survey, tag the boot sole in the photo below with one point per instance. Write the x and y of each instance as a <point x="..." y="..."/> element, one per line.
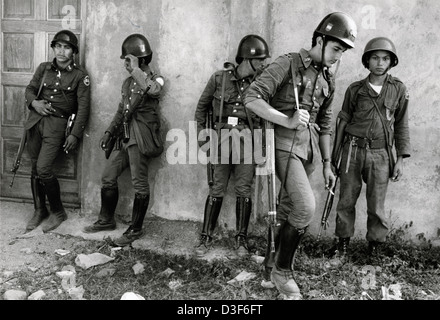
<point x="99" y="230"/>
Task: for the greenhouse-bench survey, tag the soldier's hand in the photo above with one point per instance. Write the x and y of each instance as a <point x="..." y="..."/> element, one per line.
<point x="70" y="144"/>
<point x="104" y="141"/>
<point x="42" y="107"/>
<point x="299" y="119"/>
<point x="329" y="177"/>
<point x="133" y="62"/>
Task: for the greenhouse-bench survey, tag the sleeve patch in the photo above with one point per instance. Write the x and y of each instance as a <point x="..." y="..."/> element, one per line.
<point x="160" y="81"/>
<point x="86" y="81"/>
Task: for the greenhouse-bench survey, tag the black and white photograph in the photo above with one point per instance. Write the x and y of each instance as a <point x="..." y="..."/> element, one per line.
<point x="220" y="157"/>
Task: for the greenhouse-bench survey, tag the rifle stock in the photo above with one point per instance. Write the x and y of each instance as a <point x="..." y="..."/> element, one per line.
<point x="17" y="160"/>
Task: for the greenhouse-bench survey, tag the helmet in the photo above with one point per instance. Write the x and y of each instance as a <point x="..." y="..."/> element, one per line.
<point x="252" y="47"/>
<point x="66" y="36"/>
<point x="137" y="45"/>
<point x="340" y="26"/>
<point x="380" y="43"/>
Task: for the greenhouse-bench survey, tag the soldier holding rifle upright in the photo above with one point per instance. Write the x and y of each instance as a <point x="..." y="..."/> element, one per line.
<point x="65" y="90"/>
<point x="301" y="132"/>
<point x="223" y="95"/>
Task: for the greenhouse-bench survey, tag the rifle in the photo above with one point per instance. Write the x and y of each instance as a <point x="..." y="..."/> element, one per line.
<point x="271" y="180"/>
<point x="330" y="197"/>
<point x="210" y="166"/>
<point x="17" y="161"/>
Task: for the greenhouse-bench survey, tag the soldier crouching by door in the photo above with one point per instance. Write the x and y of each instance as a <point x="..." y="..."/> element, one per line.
<point x="135" y="128"/>
<point x="224" y="93"/>
<point x="57" y="90"/>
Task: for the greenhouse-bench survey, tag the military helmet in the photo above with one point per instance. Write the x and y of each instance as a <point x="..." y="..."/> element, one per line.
<point x="380" y="43"/>
<point x="340" y="26"/>
<point x="66" y="36"/>
<point x="137" y="45"/>
<point x="252" y="47"/>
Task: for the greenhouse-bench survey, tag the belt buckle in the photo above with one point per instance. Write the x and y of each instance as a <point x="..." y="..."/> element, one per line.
<point x="233" y="121"/>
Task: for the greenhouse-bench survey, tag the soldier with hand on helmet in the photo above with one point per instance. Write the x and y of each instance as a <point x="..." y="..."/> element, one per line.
<point x="134" y="126"/>
<point x="224" y="93"/>
<point x="374" y="117"/>
<point x="57" y="90"/>
<point x="302" y="134"/>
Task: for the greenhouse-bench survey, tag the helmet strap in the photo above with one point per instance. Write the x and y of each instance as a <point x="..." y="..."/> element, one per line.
<point x="323" y="67"/>
<point x="252" y="66"/>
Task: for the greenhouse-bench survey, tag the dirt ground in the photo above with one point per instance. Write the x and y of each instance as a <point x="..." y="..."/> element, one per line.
<point x="36" y="249"/>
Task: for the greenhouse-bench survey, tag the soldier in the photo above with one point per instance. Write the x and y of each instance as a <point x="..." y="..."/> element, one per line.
<point x="65" y="90"/>
<point x="134" y="126"/>
<point x="372" y="108"/>
<point x="230" y="117"/>
<point x="301" y="132"/>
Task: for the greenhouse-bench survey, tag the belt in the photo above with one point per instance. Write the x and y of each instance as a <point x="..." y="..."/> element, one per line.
<point x="225" y="120"/>
<point x="59" y="114"/>
<point x="367" y="143"/>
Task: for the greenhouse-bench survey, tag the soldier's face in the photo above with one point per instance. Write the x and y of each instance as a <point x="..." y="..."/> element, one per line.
<point x="258" y="63"/>
<point x="63" y="52"/>
<point x="333" y="52"/>
<point x="379" y="62"/>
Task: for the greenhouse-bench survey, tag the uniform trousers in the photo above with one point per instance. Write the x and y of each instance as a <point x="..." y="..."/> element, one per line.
<point x="372" y="167"/>
<point x="44" y="142"/>
<point x="127" y="157"/>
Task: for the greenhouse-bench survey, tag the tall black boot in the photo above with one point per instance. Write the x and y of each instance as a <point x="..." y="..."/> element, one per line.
<point x="282" y="272"/>
<point x="243" y="209"/>
<point x="340" y="249"/>
<point x="40" y="212"/>
<point x="57" y="214"/>
<point x="135" y="231"/>
<point x="269" y="258"/>
<point x="106" y="218"/>
<point x="213" y="206"/>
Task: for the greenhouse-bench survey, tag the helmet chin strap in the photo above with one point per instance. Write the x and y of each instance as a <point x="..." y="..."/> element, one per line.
<point x="252" y="66"/>
<point x="323" y="67"/>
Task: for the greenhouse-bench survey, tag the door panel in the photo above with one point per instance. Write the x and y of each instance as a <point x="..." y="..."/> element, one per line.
<point x="27" y="28"/>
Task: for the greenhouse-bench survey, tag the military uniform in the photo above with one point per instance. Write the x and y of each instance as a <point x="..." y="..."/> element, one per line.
<point x="135" y="128"/>
<point x="234" y="125"/>
<point x="143" y="103"/>
<point x="365" y="157"/>
<point x="273" y="96"/>
<point x="46" y="134"/>
<point x="68" y="92"/>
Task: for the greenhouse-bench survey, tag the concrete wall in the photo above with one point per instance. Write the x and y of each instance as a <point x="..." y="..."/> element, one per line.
<point x="192" y="38"/>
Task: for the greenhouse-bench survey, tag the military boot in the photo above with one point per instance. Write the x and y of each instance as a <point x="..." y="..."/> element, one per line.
<point x="213" y="206"/>
<point x="340" y="249"/>
<point x="269" y="258"/>
<point x="57" y="214"/>
<point x="243" y="210"/>
<point x="40" y="212"/>
<point x="135" y="231"/>
<point x="282" y="271"/>
<point x="106" y="218"/>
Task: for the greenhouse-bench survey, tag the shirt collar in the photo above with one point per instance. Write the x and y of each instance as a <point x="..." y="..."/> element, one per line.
<point x="305" y="57"/>
<point x="69" y="68"/>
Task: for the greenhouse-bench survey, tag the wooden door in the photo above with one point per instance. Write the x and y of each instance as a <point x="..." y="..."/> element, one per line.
<point x="27" y="28"/>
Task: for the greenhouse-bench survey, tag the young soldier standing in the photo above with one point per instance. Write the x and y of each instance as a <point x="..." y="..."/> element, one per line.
<point x="135" y="120"/>
<point x="224" y="93"/>
<point x="373" y="117"/>
<point x="65" y="90"/>
<point x="301" y="133"/>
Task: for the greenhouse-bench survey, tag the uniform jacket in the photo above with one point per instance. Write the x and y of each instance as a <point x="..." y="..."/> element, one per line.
<point x="362" y="119"/>
<point x="233" y="99"/>
<point x="275" y="86"/>
<point x="75" y="83"/>
<point x="140" y="96"/>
